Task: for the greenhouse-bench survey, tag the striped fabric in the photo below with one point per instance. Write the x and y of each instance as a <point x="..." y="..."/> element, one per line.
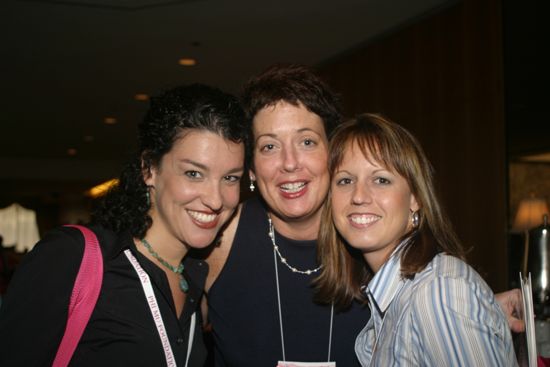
<point x="446" y="316"/>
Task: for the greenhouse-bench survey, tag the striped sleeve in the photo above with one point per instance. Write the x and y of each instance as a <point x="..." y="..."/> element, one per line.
<point x="457" y="322"/>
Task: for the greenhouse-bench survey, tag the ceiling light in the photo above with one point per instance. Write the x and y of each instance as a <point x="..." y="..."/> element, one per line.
<point x="71" y="151"/>
<point x="186" y="61"/>
<point x="102" y="188"/>
<point x="110" y="120"/>
<point x="141" y="97"/>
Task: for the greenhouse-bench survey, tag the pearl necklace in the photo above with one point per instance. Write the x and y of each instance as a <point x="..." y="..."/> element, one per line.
<point x="184" y="286"/>
<point x="271" y="235"/>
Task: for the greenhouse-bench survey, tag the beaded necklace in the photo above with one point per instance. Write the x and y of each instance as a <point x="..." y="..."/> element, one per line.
<point x="184" y="286"/>
<point x="271" y="235"/>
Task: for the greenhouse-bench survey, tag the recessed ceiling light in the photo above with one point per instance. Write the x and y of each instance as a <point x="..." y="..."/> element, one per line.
<point x="187" y="61"/>
<point x="71" y="152"/>
<point x="110" y="120"/>
<point x="141" y="97"/>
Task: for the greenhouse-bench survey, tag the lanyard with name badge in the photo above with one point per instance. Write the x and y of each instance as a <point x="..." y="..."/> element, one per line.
<point x="155" y="312"/>
<point x="284" y="362"/>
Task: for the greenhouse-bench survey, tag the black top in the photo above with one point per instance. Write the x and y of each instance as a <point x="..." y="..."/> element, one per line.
<point x="243" y="303"/>
<point x="121" y="330"/>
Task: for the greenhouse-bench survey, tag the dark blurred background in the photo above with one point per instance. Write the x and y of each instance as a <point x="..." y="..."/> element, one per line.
<point x="469" y="78"/>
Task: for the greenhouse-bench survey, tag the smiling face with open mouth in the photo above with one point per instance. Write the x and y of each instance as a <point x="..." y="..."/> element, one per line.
<point x="195" y="189"/>
<point x="290" y="161"/>
<point x="371" y="205"/>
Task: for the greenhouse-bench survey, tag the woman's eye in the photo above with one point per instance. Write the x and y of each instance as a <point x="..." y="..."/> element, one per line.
<point x="343" y="181"/>
<point x="382" y="181"/>
<point x="193" y="174"/>
<point x="267" y="147"/>
<point x="309" y="142"/>
<point x="232" y="178"/>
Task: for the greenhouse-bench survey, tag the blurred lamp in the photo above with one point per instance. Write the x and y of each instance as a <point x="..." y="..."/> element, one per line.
<point x="530" y="214"/>
<point x="102" y="188"/>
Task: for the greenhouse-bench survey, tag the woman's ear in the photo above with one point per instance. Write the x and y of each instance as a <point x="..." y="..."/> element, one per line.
<point x="148" y="172"/>
<point x="414" y="204"/>
<point x="251" y="175"/>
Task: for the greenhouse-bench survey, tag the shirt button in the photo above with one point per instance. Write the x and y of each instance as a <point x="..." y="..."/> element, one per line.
<point x="179" y="341"/>
<point x="200" y="263"/>
<point x="192" y="300"/>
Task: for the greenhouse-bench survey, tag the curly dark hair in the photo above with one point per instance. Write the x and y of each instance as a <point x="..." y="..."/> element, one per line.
<point x="126" y="206"/>
<point x="294" y="84"/>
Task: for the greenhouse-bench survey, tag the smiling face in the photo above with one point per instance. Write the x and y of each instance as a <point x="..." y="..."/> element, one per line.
<point x="290" y="162"/>
<point x="195" y="189"/>
<point x="371" y="205"/>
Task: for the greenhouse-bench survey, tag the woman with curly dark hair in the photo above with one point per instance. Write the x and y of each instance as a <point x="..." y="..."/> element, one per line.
<point x="179" y="190"/>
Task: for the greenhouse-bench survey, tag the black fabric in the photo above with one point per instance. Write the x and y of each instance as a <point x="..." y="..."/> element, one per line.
<point x="243" y="303"/>
<point x="121" y="330"/>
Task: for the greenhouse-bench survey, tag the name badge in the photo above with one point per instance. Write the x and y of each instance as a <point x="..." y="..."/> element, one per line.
<point x="305" y="364"/>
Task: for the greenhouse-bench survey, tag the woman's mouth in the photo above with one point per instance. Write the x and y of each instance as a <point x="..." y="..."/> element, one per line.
<point x="204" y="220"/>
<point x="293" y="187"/>
<point x="364" y="219"/>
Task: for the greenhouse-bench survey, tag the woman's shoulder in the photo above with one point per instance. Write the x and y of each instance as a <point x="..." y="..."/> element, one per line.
<point x="66" y="243"/>
<point x="451" y="280"/>
<point x="252" y="208"/>
<point x="51" y="265"/>
<point x="217" y="255"/>
<point x="59" y="242"/>
<point x="451" y="267"/>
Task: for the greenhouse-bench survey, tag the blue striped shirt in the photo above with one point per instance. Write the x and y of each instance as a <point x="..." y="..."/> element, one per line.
<point x="446" y="316"/>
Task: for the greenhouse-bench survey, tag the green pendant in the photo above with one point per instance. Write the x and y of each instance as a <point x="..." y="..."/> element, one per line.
<point x="184" y="286"/>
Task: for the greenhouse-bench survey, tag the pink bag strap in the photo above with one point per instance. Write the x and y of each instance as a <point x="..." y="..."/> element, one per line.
<point x="83" y="298"/>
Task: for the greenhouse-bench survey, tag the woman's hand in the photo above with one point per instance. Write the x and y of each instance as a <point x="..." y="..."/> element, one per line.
<point x="512" y="305"/>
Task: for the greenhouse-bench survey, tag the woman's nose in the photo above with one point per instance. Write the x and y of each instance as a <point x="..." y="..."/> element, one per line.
<point x="212" y="197"/>
<point x="361" y="195"/>
<point x="290" y="159"/>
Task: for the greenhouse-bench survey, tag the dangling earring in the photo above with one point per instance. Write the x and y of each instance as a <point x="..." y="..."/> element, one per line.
<point x="415" y="219"/>
<point x="252" y="187"/>
<point x="147" y="198"/>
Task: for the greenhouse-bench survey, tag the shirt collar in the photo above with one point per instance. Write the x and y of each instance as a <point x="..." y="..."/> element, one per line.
<point x="387" y="281"/>
<point x="123" y="241"/>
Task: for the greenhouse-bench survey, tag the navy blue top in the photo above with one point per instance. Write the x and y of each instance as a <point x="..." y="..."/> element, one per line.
<point x="243" y="303"/>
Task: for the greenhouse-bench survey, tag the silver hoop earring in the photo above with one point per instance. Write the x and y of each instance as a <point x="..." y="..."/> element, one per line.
<point x="415" y="219"/>
<point x="252" y="187"/>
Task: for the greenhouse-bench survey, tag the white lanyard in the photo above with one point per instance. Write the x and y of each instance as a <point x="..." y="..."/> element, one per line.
<point x="155" y="312"/>
<point x="281" y="317"/>
<point x="191" y="335"/>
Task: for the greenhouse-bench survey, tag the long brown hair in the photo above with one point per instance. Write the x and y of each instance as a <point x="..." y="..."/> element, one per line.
<point x="343" y="270"/>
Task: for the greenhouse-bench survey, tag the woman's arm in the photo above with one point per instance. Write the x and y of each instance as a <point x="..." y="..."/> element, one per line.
<point x="458" y="322"/>
<point x="34" y="311"/>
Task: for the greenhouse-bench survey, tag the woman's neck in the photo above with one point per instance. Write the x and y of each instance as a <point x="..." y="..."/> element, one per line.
<point x="303" y="229"/>
<point x="170" y="250"/>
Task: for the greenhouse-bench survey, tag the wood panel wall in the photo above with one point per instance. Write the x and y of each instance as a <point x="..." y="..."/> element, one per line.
<point x="441" y="77"/>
